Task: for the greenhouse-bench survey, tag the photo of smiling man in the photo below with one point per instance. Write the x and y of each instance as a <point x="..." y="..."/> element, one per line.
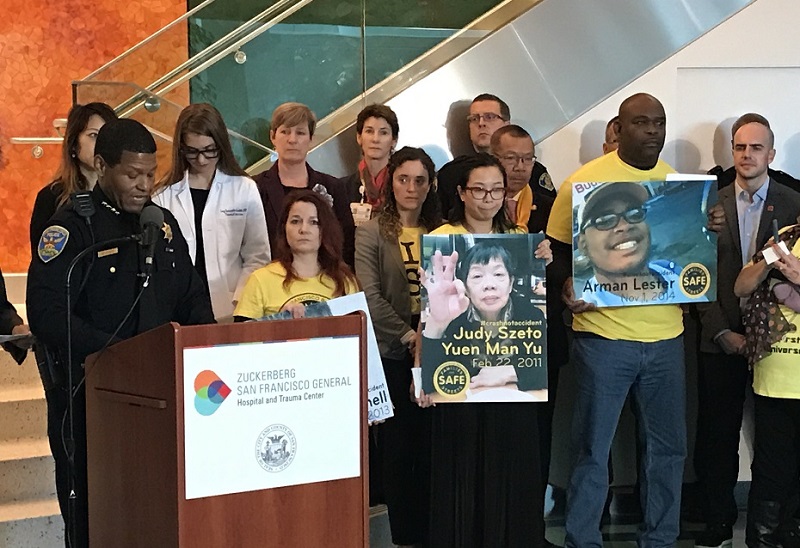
<point x="643" y="243"/>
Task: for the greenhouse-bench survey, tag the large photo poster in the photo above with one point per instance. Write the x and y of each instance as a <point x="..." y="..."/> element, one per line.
<point x="644" y="243"/>
<point x="483" y="318"/>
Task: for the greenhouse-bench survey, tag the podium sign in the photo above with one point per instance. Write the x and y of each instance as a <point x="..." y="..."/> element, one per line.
<point x="178" y="415"/>
<point x="267" y="415"/>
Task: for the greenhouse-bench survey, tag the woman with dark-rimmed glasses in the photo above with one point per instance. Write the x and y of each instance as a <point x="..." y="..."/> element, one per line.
<point x="217" y="206"/>
<point x="486" y="488"/>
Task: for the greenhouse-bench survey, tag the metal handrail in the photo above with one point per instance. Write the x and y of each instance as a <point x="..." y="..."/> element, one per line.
<point x="150" y="38"/>
<point x="344" y="117"/>
<point x="36" y="140"/>
<point x="59" y="140"/>
<point x="298" y="4"/>
<point x="237" y="31"/>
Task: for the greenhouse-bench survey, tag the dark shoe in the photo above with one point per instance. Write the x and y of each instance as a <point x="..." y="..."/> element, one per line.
<point x="790" y="533"/>
<point x="763" y="519"/>
<point x="605" y="519"/>
<point x="715" y="536"/>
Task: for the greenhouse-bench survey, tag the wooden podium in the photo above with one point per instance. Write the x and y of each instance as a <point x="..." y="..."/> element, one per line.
<point x="136" y="453"/>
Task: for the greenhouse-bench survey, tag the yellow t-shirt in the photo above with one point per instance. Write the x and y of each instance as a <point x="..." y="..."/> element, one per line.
<point x="632" y="323"/>
<point x="410" y="250"/>
<point x="264" y="293"/>
<point x="775" y="376"/>
<point x="460" y="229"/>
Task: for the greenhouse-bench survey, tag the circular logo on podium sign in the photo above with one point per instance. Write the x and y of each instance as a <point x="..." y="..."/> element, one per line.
<point x="276" y="448"/>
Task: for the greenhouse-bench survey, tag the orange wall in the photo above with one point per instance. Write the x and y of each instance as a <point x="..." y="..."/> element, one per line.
<point x="44" y="45"/>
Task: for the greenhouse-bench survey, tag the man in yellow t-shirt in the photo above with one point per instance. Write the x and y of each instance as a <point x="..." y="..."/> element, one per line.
<point x="618" y="350"/>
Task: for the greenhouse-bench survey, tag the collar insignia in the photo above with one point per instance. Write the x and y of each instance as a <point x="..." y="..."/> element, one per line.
<point x="110" y="207"/>
<point x="167" y="230"/>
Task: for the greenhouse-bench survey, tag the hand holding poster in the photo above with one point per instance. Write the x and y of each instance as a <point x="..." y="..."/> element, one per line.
<point x="484" y="330"/>
<point x="643" y="243"/>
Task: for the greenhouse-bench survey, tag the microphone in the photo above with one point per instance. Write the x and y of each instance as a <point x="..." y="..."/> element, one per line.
<point x="151" y="220"/>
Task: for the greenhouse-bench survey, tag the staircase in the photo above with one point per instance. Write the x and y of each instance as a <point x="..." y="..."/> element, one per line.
<point x="29" y="514"/>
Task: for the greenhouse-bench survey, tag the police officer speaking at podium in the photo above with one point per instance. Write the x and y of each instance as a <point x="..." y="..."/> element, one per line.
<point x="116" y="291"/>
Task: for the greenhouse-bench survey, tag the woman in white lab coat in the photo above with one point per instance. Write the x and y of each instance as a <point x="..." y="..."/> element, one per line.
<point x="217" y="206"/>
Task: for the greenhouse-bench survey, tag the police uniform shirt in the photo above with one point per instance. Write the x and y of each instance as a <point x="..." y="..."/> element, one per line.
<point x="113" y="280"/>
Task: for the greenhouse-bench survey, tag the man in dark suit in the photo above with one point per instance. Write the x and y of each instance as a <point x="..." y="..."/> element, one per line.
<point x="751" y="204"/>
<point x="12" y="324"/>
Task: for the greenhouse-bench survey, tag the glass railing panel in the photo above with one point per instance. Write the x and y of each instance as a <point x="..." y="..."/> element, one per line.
<point x="177" y="42"/>
<point x="220" y="19"/>
<point x="160" y="114"/>
<point x="324" y="55"/>
<point x="305" y="58"/>
<point x="395" y="35"/>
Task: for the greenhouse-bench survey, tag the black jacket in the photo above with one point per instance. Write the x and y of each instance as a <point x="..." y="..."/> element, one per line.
<point x="273" y="192"/>
<point x="106" y="283"/>
<point x="44" y="208"/>
<point x="9" y="319"/>
<point x="782" y="204"/>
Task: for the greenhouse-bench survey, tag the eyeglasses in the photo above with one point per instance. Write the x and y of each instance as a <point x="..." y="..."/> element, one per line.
<point x="191" y="153"/>
<point x="405" y="180"/>
<point x="609" y="221"/>
<point x="513" y="159"/>
<point x="488" y="118"/>
<point x="480" y="193"/>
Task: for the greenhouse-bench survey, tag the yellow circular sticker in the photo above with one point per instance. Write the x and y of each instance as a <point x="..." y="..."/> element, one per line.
<point x="695" y="280"/>
<point x="451" y="379"/>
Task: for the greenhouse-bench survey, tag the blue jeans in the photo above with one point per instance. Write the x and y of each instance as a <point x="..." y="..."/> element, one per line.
<point x="606" y="371"/>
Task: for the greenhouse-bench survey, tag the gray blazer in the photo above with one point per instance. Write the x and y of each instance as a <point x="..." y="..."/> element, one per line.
<point x="782" y="204"/>
<point x="380" y="269"/>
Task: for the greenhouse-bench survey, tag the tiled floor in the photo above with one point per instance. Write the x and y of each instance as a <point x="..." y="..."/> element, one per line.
<point x="621" y="532"/>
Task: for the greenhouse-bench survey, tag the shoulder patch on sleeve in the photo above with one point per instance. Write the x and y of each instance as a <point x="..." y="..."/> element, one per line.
<point x="546" y="182"/>
<point x="52" y="242"/>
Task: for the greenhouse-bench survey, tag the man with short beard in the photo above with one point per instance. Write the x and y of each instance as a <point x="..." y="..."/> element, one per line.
<point x="752" y="203"/>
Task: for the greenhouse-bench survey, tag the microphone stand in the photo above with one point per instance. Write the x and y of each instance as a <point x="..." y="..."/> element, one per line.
<point x="70" y="441"/>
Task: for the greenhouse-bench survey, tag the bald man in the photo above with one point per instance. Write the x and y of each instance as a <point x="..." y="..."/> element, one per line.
<point x="617" y="350"/>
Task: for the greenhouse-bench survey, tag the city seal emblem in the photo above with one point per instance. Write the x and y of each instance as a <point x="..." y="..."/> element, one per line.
<point x="276" y="448"/>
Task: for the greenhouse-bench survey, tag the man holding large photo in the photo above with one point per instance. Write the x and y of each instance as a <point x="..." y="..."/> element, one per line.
<point x="625" y="349"/>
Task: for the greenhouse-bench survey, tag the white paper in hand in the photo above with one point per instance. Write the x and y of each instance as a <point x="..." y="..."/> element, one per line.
<point x="771" y="256"/>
